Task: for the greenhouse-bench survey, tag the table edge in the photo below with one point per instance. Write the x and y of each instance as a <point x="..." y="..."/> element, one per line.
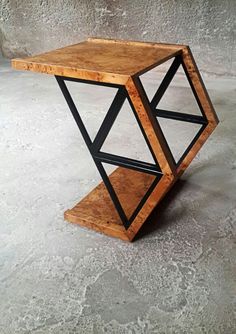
<point x="99" y="76"/>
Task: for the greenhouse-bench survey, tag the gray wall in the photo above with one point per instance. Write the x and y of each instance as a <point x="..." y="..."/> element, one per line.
<point x="208" y="26"/>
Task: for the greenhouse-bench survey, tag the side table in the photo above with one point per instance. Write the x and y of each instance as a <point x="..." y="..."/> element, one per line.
<point x="120" y="204"/>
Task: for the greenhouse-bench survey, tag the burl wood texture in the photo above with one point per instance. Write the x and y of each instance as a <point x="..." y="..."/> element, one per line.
<point x="99" y="60"/>
<point x="97" y="211"/>
<point x="121" y="62"/>
<point x="150" y="126"/>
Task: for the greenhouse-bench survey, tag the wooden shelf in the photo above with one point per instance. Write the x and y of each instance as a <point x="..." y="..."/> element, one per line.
<point x="96" y="210"/>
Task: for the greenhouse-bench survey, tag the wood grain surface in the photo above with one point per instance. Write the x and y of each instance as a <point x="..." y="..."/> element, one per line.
<point x="98" y="60"/>
<point x="97" y="211"/>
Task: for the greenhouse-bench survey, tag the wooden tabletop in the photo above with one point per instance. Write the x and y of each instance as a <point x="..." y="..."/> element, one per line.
<point x="100" y="59"/>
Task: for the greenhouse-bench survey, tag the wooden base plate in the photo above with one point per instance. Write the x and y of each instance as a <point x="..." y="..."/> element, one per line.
<point x="96" y="211"/>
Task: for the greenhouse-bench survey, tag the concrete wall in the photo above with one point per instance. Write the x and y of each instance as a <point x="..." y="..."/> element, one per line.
<point x="208" y="26"/>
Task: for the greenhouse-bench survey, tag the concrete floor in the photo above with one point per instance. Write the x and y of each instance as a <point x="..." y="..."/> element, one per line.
<point x="179" y="276"/>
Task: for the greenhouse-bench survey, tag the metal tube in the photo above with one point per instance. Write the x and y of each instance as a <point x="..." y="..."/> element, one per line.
<point x="178" y="116"/>
<point x="127" y="162"/>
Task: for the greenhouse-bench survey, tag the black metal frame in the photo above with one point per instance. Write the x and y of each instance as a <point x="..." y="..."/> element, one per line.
<point x="202" y="120"/>
<point x="103" y="157"/>
<point x="95" y="146"/>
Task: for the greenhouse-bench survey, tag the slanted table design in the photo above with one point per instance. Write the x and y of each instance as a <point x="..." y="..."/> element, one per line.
<point x="123" y="201"/>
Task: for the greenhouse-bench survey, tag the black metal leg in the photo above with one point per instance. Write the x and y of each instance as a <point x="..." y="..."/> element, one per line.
<point x="165" y="82"/>
<point x="112" y="193"/>
<point x="74" y="112"/>
<point x="109" y="119"/>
